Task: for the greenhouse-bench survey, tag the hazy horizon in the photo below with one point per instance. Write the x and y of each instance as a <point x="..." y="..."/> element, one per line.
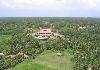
<point x="50" y="8"/>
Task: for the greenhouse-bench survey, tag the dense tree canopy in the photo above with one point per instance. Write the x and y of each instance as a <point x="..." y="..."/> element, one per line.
<point x="80" y="34"/>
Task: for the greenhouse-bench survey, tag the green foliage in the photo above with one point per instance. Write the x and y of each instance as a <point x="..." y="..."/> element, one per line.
<point x="81" y="35"/>
<point x="4" y="47"/>
<point x="31" y="65"/>
<point x="26" y="44"/>
<point x="6" y="63"/>
<point x="47" y="60"/>
<point x="57" y="44"/>
<point x="52" y="60"/>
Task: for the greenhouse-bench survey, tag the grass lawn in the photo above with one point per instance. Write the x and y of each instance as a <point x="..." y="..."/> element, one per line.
<point x="48" y="60"/>
<point x="4" y="38"/>
<point x="3" y="42"/>
<point x="30" y="65"/>
<point x="51" y="59"/>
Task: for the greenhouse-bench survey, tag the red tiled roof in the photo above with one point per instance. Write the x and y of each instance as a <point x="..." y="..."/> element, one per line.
<point x="45" y="31"/>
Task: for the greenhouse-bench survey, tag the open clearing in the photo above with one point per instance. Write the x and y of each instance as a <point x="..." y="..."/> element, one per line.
<point x="4" y="38"/>
<point x="48" y="60"/>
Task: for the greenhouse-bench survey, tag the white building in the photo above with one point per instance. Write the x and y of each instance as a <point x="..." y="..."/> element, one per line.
<point x="46" y="33"/>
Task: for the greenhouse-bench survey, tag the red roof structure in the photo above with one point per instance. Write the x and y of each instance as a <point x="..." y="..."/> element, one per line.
<point x="45" y="32"/>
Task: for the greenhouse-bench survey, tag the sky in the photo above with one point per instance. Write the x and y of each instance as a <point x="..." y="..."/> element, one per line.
<point x="49" y="8"/>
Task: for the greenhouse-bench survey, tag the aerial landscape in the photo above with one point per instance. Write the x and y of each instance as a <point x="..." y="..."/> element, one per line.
<point x="49" y="35"/>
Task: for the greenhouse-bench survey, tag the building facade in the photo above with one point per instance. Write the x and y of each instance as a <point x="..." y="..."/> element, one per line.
<point x="46" y="33"/>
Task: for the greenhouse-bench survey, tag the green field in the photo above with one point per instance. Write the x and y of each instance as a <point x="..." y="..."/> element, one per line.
<point x="30" y="65"/>
<point x="4" y="42"/>
<point x="48" y="60"/>
<point x="4" y="38"/>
